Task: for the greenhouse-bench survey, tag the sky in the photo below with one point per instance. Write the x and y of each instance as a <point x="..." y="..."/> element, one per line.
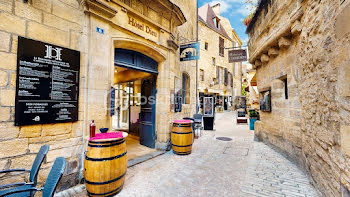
<point x="235" y="11"/>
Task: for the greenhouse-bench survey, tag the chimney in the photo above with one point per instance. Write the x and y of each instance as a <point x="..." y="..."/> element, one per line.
<point x="216" y="9"/>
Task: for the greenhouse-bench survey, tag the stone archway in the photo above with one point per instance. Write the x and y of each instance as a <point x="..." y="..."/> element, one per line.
<point x="162" y="79"/>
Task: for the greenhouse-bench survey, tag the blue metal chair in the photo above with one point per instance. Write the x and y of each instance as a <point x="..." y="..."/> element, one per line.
<point x="50" y="186"/>
<point x="33" y="173"/>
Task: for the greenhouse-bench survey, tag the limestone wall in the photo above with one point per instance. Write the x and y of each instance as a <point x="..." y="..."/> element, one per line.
<point x="72" y="24"/>
<point x="307" y="41"/>
<point x="207" y="35"/>
<point x="59" y="23"/>
<point x="189" y="32"/>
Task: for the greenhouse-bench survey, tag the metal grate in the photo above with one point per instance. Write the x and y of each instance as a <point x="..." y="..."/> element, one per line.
<point x="224" y="138"/>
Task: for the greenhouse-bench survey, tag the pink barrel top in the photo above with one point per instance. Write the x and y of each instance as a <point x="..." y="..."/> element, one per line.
<point x="182" y="121"/>
<point x="112" y="135"/>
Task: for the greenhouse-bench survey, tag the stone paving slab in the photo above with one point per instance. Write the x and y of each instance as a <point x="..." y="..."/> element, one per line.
<point x="241" y="167"/>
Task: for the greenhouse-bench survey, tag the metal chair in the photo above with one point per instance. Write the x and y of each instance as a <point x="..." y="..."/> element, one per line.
<point x="198" y="120"/>
<point x="50" y="186"/>
<point x="188" y="118"/>
<point x="33" y="173"/>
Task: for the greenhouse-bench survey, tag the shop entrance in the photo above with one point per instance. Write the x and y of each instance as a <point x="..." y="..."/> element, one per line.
<point x="135" y="101"/>
<point x="225" y="103"/>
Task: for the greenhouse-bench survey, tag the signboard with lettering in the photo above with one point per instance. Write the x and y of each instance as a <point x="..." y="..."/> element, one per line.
<point x="140" y="27"/>
<point x="47" y="88"/>
<point x="237" y="56"/>
<point x="189" y="52"/>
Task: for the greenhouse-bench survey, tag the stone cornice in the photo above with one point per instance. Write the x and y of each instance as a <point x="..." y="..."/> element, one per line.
<point x="272" y="39"/>
<point x="102" y="7"/>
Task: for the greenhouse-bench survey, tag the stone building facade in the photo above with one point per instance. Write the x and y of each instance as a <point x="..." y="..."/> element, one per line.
<point x="216" y="75"/>
<point x="301" y="52"/>
<point x="95" y="28"/>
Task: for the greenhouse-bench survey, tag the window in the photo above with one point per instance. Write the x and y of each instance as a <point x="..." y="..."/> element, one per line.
<point x="225" y="77"/>
<point x="230" y="79"/>
<point x="201" y="74"/>
<point x="213" y="61"/>
<point x="221" y="47"/>
<point x="185" y="88"/>
<point x="221" y="75"/>
<point x="214" y="82"/>
<point x="216" y="22"/>
<point x="217" y="74"/>
<point x="206" y="46"/>
<point x="285" y="81"/>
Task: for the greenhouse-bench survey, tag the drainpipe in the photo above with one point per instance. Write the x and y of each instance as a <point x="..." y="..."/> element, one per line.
<point x="197" y="61"/>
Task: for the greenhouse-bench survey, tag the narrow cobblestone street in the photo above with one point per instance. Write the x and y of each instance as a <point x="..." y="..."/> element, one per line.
<point x="241" y="167"/>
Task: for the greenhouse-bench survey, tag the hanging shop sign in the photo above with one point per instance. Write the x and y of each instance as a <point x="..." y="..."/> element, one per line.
<point x="47" y="89"/>
<point x="237" y="56"/>
<point x="189" y="52"/>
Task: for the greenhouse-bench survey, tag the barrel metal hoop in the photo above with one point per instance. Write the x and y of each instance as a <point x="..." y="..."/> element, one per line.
<point x="181" y="125"/>
<point x="181" y="146"/>
<point x="182" y="133"/>
<point x="107" y="142"/>
<point x="106" y="182"/>
<point x="111" y="193"/>
<point x="105" y="159"/>
<point x="182" y="153"/>
<point x="106" y="145"/>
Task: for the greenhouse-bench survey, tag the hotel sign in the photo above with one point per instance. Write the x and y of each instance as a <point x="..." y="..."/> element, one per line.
<point x="143" y="27"/>
<point x="237" y="56"/>
<point x="47" y="88"/>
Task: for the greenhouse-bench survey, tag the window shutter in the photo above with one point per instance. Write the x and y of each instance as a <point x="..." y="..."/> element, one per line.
<point x="184" y="86"/>
<point x="217" y="74"/>
<point x="226" y="77"/>
<point x="221" y="46"/>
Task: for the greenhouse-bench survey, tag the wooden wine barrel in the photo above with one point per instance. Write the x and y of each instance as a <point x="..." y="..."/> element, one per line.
<point x="105" y="166"/>
<point x="182" y="137"/>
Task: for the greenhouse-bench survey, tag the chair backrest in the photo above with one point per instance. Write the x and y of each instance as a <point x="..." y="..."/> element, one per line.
<point x="188" y="118"/>
<point x="37" y="163"/>
<point x="54" y="177"/>
<point x="198" y="116"/>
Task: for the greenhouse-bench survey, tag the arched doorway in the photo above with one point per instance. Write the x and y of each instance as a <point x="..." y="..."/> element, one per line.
<point x="135" y="85"/>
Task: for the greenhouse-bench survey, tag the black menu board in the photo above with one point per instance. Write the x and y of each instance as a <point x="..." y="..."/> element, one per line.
<point x="47" y="89"/>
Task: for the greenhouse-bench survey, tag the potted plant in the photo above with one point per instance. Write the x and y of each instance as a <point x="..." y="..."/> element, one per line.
<point x="248" y="19"/>
<point x="253" y="116"/>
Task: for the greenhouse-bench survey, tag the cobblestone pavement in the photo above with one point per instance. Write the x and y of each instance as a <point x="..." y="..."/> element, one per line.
<point x="241" y="167"/>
